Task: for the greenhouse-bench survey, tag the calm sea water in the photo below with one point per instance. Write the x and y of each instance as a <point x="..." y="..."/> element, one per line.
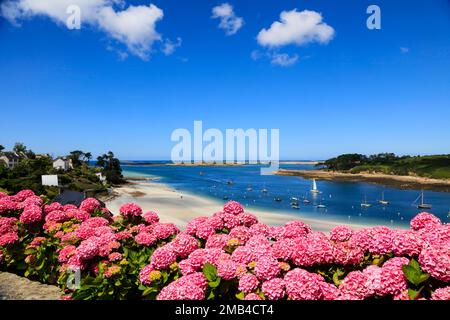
<point x="342" y="199"/>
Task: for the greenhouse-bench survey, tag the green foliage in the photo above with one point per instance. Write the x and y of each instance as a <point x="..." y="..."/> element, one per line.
<point x="437" y="166"/>
<point x="416" y="277"/>
<point x="110" y="168"/>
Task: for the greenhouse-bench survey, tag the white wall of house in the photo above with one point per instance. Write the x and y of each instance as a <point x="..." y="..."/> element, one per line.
<point x="9" y="164"/>
<point x="61" y="164"/>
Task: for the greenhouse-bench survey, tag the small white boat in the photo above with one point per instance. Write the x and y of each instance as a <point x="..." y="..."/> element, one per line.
<point x="365" y="204"/>
<point x="382" y="201"/>
<point x="321" y="206"/>
<point x="295" y="206"/>
<point x="422" y="204"/>
<point x="314" y="187"/>
<point x="294" y="199"/>
<point x="249" y="189"/>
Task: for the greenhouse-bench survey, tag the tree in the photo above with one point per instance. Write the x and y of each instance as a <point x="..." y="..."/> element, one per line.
<point x="19" y="148"/>
<point x="75" y="157"/>
<point x="1" y="148"/>
<point x="87" y="156"/>
<point x="110" y="168"/>
<point x="346" y="161"/>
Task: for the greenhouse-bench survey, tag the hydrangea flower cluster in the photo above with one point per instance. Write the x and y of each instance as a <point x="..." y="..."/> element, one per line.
<point x="231" y="249"/>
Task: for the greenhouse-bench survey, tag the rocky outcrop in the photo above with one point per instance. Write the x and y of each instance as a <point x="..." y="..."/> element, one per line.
<point x="13" y="287"/>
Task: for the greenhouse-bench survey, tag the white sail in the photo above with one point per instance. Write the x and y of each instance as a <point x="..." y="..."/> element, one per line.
<point x="314" y="186"/>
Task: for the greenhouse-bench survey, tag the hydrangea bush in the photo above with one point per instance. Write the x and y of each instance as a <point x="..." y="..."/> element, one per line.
<point x="229" y="255"/>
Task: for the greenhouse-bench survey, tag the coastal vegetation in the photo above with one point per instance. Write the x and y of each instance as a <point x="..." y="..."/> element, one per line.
<point x="230" y="255"/>
<point x="432" y="166"/>
<point x="81" y="176"/>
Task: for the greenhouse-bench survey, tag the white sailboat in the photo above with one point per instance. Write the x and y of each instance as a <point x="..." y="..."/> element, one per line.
<point x="422" y="204"/>
<point x="382" y="201"/>
<point x="314" y="187"/>
<point x="365" y="204"/>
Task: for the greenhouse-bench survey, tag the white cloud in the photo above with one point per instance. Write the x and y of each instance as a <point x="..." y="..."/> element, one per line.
<point x="283" y="59"/>
<point x="170" y="46"/>
<point x="404" y="50"/>
<point x="297" y="28"/>
<point x="135" y="26"/>
<point x="228" y="19"/>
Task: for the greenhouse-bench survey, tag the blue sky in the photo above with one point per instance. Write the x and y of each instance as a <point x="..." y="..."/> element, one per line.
<point x="362" y="90"/>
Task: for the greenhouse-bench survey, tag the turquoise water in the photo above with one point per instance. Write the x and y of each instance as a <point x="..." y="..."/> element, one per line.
<point x="342" y="199"/>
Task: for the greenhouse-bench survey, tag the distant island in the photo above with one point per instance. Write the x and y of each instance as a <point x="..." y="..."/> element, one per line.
<point x="430" y="172"/>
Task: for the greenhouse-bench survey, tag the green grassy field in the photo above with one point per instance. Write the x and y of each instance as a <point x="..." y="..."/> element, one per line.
<point x="436" y="166"/>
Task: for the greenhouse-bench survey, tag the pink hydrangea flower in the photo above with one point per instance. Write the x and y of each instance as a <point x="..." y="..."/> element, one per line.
<point x="7" y="205"/>
<point x="393" y="280"/>
<point x="56" y="216"/>
<point x="145" y="239"/>
<point x="183" y="245"/>
<point x="435" y="260"/>
<point x="115" y="256"/>
<point x="90" y="205"/>
<point x="355" y="284"/>
<point x="192" y="226"/>
<point x="218" y="241"/>
<point x="33" y="200"/>
<point x="226" y="269"/>
<point x="424" y="220"/>
<point x="52" y="207"/>
<point x="267" y="268"/>
<point x="406" y="243"/>
<point x="374" y="284"/>
<point x="230" y="221"/>
<point x="23" y="194"/>
<point x="197" y="279"/>
<point x="164" y="230"/>
<point x="186" y="267"/>
<point x="177" y="291"/>
<point x="145" y="274"/>
<point x="381" y="240"/>
<point x="241" y="233"/>
<point x="204" y="231"/>
<point x="65" y="253"/>
<point x="242" y="254"/>
<point x="329" y="291"/>
<point x="295" y="229"/>
<point x="441" y="294"/>
<point x="303" y="285"/>
<point x="283" y="249"/>
<point x="163" y="257"/>
<point x="87" y="250"/>
<point x="260" y="229"/>
<point x="247" y="219"/>
<point x="31" y="214"/>
<point x="233" y="207"/>
<point x="150" y="217"/>
<point x="273" y="289"/>
<point x="248" y="283"/>
<point x="8" y="225"/>
<point x="130" y="210"/>
<point x="252" y="296"/>
<point x="341" y="233"/>
<point x="345" y="253"/>
<point x="8" y="239"/>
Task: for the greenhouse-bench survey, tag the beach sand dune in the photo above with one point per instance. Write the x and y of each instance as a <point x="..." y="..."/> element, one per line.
<point x="180" y="207"/>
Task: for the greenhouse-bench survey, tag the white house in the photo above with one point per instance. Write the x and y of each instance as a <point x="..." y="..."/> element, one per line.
<point x="101" y="177"/>
<point x="9" y="158"/>
<point x="61" y="163"/>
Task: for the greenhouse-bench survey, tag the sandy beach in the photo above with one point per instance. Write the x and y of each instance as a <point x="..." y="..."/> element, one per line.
<point x="180" y="207"/>
<point x="401" y="182"/>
